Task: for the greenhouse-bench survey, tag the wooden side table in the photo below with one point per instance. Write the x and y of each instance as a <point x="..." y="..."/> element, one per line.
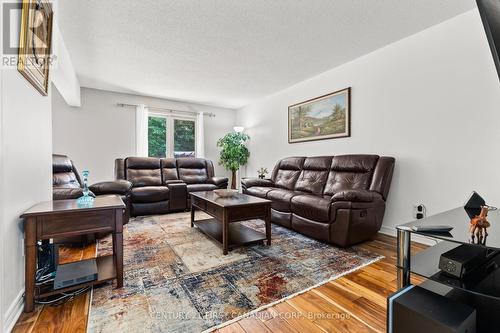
<point x="63" y="218"/>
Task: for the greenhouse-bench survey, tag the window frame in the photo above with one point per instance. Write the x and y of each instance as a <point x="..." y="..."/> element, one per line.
<point x="169" y="125"/>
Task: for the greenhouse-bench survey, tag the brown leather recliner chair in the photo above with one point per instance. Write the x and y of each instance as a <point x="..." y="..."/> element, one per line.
<point x="335" y="199"/>
<point x="67" y="184"/>
<point x="163" y="185"/>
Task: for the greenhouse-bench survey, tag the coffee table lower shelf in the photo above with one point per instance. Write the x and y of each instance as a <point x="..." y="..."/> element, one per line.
<point x="238" y="234"/>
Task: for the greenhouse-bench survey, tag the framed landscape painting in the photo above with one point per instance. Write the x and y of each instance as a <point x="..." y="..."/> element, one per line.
<point x="35" y="42"/>
<point x="324" y="117"/>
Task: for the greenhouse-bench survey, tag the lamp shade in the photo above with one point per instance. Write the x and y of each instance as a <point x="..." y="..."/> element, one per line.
<point x="238" y="129"/>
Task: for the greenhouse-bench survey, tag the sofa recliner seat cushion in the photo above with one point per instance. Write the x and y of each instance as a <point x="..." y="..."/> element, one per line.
<point x="281" y="199"/>
<point x="147" y="194"/>
<point x="200" y="187"/>
<point x="259" y="191"/>
<point x="312" y="207"/>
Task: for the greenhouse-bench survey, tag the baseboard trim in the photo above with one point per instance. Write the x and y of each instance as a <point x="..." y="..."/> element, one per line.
<point x="13" y="312"/>
<point x="391" y="231"/>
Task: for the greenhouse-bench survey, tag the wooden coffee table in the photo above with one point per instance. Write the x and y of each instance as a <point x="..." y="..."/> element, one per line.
<point x="227" y="211"/>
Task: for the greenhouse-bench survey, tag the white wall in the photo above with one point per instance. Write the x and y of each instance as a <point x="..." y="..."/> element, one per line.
<point x="63" y="74"/>
<point x="25" y="177"/>
<point x="431" y="100"/>
<point x="99" y="131"/>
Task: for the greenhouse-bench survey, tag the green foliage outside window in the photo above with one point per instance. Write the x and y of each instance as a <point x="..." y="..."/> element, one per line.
<point x="184" y="135"/>
<point x="157" y="137"/>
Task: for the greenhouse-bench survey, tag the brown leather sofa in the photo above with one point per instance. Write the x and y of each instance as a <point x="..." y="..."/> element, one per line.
<point x="335" y="199"/>
<point x="163" y="185"/>
<point x="67" y="184"/>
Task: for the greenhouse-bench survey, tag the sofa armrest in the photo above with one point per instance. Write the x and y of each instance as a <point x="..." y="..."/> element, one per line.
<point x="178" y="195"/>
<point x="250" y="182"/>
<point x="356" y="196"/>
<point x="121" y="187"/>
<point x="218" y="181"/>
<point x="173" y="181"/>
<point x="67" y="193"/>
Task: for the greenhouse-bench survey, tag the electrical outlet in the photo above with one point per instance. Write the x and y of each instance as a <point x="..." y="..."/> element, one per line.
<point x="419" y="211"/>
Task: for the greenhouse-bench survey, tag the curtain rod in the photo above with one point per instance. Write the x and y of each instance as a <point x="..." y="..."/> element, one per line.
<point x="125" y="105"/>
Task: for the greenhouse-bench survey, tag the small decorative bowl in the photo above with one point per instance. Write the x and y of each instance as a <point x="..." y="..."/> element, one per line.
<point x="223" y="193"/>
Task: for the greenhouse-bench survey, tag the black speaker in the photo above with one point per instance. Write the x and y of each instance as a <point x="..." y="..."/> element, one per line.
<point x="416" y="310"/>
<point x="462" y="260"/>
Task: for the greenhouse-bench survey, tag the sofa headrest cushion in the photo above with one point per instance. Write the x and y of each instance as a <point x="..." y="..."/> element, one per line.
<point x="191" y="163"/>
<point x="61" y="163"/>
<point x="354" y="163"/>
<point x="142" y="163"/>
<point x="292" y="163"/>
<point x="168" y="163"/>
<point x="318" y="163"/>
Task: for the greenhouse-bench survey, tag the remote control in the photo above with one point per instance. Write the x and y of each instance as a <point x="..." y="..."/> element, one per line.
<point x="432" y="228"/>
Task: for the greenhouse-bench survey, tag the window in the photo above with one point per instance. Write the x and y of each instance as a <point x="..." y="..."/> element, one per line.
<point x="184" y="141"/>
<point x="171" y="136"/>
<point x="157" y="137"/>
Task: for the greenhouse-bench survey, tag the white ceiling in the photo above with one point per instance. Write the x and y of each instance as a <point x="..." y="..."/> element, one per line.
<point x="231" y="52"/>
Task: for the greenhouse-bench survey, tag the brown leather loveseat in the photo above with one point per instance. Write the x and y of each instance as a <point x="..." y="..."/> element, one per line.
<point x="162" y="185"/>
<point x="336" y="199"/>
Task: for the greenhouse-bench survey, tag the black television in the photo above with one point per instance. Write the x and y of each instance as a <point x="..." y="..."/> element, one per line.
<point x="490" y="15"/>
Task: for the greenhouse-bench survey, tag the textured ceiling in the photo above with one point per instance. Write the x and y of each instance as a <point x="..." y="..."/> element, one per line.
<point x="231" y="52"/>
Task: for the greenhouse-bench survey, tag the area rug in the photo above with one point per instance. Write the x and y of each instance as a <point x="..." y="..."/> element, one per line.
<point x="177" y="280"/>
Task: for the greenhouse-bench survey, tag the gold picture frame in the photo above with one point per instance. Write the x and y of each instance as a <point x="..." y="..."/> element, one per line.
<point x="35" y="43"/>
<point x="320" y="118"/>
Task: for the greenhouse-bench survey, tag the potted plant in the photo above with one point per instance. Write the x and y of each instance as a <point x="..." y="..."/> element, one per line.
<point x="234" y="153"/>
<point x="262" y="172"/>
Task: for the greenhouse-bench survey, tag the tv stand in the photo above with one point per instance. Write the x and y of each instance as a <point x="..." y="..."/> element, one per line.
<point x="482" y="292"/>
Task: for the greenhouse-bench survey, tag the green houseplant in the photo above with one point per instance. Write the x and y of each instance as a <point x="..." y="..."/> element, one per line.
<point x="234" y="153"/>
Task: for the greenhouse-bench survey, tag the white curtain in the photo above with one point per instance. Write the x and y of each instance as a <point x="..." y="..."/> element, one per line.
<point x="200" y="136"/>
<point x="141" y="130"/>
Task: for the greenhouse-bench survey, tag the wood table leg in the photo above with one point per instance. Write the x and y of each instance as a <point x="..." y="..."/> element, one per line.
<point x="118" y="252"/>
<point x="118" y="247"/>
<point x="30" y="264"/>
<point x="268" y="227"/>
<point x="225" y="233"/>
<point x="193" y="208"/>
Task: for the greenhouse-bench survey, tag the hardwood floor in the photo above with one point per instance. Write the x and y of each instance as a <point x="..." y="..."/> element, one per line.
<point x="353" y="303"/>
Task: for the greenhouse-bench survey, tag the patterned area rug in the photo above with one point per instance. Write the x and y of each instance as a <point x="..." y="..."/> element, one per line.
<point x="177" y="280"/>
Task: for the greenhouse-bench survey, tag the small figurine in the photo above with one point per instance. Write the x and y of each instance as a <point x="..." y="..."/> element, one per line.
<point x="262" y="172"/>
<point x="479" y="224"/>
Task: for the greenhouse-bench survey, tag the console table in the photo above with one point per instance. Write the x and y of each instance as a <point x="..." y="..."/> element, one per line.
<point x="64" y="218"/>
<point x="482" y="293"/>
